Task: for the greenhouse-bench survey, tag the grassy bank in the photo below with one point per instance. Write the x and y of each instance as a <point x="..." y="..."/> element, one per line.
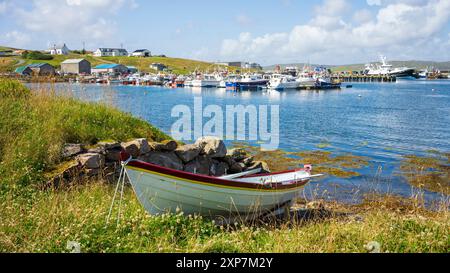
<point x="33" y="129"/>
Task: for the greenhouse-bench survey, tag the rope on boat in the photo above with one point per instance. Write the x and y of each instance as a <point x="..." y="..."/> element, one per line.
<point x="120" y="185"/>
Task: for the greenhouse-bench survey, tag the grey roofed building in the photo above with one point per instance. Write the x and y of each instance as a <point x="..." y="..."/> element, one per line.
<point x="59" y="50"/>
<point x="141" y="53"/>
<point x="110" y="52"/>
<point x="76" y="66"/>
<point x="42" y="69"/>
<point x="110" y="68"/>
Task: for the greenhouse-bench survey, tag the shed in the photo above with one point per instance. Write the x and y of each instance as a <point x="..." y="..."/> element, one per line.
<point x="24" y="70"/>
<point x="42" y="69"/>
<point x="110" y="68"/>
<point x="141" y="53"/>
<point x="76" y="66"/>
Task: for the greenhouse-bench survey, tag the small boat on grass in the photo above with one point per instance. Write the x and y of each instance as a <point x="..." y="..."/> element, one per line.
<point x="243" y="196"/>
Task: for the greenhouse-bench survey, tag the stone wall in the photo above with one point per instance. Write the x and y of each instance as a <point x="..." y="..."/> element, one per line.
<point x="207" y="156"/>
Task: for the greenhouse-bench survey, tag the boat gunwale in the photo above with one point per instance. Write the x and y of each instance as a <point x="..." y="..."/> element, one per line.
<point x="216" y="181"/>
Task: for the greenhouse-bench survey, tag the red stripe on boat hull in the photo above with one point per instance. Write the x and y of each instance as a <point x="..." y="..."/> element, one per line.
<point x="213" y="180"/>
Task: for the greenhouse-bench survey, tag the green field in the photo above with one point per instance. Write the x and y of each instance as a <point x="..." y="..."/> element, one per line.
<point x="40" y="220"/>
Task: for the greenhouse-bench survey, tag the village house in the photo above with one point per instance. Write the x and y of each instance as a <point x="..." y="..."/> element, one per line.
<point x="110" y="52"/>
<point x="141" y="53"/>
<point x="110" y="69"/>
<point x="42" y="69"/>
<point x="59" y="50"/>
<point x="158" y="66"/>
<point x="24" y="70"/>
<point x="76" y="66"/>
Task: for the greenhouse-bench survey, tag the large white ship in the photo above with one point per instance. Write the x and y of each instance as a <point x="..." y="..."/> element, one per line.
<point x="386" y="69"/>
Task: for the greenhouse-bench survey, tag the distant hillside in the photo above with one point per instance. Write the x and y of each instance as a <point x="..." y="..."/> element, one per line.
<point x="358" y="67"/>
<point x="177" y="65"/>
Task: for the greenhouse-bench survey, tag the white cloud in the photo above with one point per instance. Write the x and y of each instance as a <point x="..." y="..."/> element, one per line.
<point x="83" y="19"/>
<point x="397" y="29"/>
<point x="16" y="39"/>
<point x="362" y="16"/>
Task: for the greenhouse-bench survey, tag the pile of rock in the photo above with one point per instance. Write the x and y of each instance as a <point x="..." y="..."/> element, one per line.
<point x="208" y="156"/>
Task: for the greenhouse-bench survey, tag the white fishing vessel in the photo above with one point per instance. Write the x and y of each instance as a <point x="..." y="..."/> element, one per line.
<point x="386" y="69"/>
<point x="206" y="80"/>
<point x="306" y="80"/>
<point x="246" y="195"/>
<point x="283" y="82"/>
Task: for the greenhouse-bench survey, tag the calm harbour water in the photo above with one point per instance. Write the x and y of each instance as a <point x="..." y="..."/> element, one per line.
<point x="382" y="121"/>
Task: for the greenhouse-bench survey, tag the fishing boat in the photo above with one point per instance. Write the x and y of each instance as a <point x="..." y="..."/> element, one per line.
<point x="245" y="196"/>
<point x="283" y="82"/>
<point x="207" y="80"/>
<point x="306" y="80"/>
<point x="386" y="69"/>
<point x="327" y="83"/>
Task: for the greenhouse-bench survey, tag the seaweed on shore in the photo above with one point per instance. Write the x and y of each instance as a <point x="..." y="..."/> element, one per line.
<point x="430" y="172"/>
<point x="342" y="165"/>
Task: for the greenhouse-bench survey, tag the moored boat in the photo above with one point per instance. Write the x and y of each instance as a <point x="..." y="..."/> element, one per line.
<point x="283" y="82"/>
<point x="161" y="190"/>
<point x="208" y="81"/>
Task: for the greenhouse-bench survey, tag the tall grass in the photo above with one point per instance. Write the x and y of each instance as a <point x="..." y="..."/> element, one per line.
<point x="34" y="127"/>
<point x="53" y="219"/>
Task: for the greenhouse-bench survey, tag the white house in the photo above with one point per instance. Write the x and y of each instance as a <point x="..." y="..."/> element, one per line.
<point x="110" y="52"/>
<point x="141" y="53"/>
<point x="59" y="50"/>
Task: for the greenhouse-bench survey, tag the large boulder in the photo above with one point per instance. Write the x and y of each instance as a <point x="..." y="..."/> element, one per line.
<point x="259" y="165"/>
<point x="109" y="145"/>
<point x="136" y="147"/>
<point x="91" y="160"/>
<point x="170" y="145"/>
<point x="212" y="146"/>
<point x="165" y="146"/>
<point x="188" y="153"/>
<point x="219" y="168"/>
<point x="132" y="148"/>
<point x="71" y="150"/>
<point x="201" y="165"/>
<point x="113" y="155"/>
<point x="164" y="159"/>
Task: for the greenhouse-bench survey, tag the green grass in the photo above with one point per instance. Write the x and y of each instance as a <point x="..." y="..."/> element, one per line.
<point x="33" y="127"/>
<point x="47" y="221"/>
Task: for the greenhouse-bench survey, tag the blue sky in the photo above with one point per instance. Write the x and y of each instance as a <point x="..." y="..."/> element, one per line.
<point x="265" y="31"/>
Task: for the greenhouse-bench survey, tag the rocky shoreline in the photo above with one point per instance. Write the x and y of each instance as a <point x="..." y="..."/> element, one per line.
<point x="207" y="156"/>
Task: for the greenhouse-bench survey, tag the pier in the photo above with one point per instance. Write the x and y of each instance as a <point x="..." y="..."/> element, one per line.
<point x="364" y="78"/>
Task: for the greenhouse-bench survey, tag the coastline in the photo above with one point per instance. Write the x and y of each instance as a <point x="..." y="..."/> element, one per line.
<point x="48" y="219"/>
